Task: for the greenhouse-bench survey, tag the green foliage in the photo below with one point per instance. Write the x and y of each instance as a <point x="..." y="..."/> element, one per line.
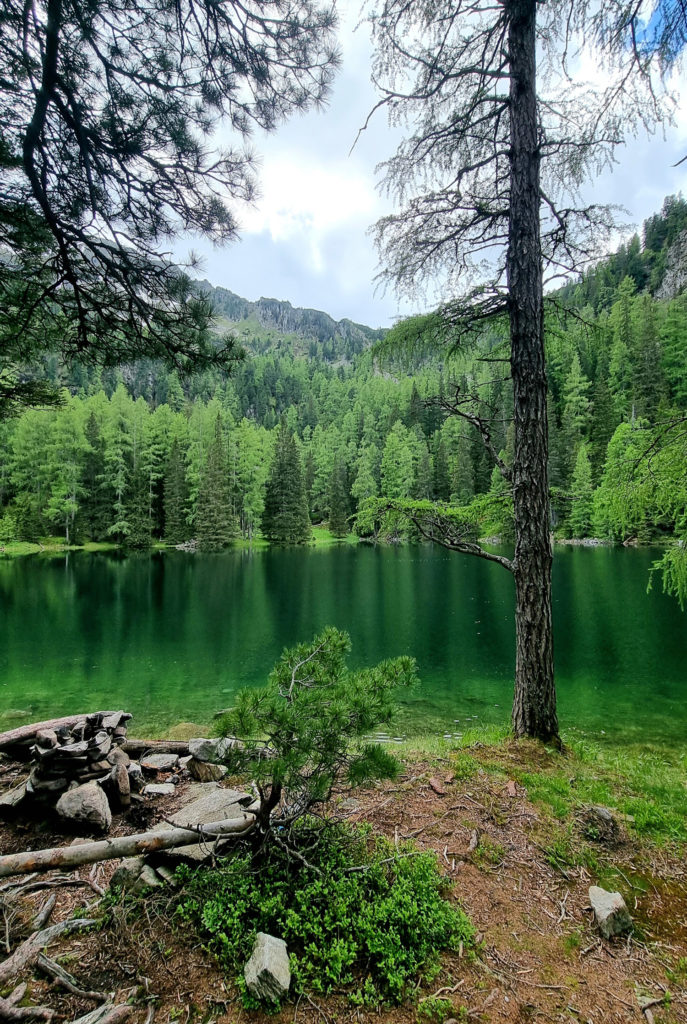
<point x="306" y="731"/>
<point x="285" y="519"/>
<point x="370" y="919"/>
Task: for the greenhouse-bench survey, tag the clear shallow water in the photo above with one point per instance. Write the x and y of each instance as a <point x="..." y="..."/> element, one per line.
<point x="171" y="637"/>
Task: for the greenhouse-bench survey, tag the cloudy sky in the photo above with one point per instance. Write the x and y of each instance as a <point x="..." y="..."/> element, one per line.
<point x="306" y="239"/>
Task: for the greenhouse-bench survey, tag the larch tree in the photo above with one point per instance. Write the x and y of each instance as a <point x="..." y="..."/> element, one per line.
<point x="108" y="151"/>
<point x="502" y="136"/>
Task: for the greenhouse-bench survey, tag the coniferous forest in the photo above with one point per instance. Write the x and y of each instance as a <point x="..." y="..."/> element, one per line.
<point x="314" y="421"/>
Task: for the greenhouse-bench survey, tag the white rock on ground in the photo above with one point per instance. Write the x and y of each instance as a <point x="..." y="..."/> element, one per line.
<point x="159" y="789"/>
<point x="610" y="911"/>
<point x="267" y="973"/>
<point x="86" y="805"/>
<point x="159" y="762"/>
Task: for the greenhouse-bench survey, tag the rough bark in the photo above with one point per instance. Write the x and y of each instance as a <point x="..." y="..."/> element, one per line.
<point x="123" y="846"/>
<point x="534" y="700"/>
<point x="134" y="748"/>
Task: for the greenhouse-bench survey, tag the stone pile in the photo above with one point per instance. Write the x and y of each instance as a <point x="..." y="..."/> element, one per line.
<point x="85" y="752"/>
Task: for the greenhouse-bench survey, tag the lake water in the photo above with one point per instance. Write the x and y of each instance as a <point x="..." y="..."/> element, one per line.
<point x="171" y="637"/>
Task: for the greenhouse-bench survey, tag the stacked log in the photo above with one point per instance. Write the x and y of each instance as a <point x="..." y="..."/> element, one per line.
<point x="84" y="751"/>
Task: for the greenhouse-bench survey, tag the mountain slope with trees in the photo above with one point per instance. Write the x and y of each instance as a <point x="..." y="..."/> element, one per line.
<point x="136" y="454"/>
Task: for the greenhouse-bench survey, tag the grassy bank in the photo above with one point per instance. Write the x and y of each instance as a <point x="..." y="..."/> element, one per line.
<point x="321" y="538"/>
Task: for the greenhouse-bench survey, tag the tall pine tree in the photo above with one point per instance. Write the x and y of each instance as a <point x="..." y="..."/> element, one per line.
<point x="215" y="524"/>
<point x="285" y="519"/>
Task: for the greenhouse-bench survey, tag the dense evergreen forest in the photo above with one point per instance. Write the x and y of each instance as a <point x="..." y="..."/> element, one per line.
<point x="311" y="423"/>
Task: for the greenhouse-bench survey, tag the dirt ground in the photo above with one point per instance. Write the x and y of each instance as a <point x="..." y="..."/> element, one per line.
<point x="540" y="957"/>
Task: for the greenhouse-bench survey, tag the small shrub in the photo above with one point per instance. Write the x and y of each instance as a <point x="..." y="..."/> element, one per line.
<point x="361" y="917"/>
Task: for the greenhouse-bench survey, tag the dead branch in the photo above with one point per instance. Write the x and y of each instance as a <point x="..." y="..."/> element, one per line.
<point x="68" y="981"/>
<point x="43" y="915"/>
<point x="27" y="953"/>
<point x="9" y="1012"/>
<point x="123" y="846"/>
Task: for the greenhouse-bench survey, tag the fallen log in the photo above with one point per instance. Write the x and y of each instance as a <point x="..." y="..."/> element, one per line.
<point x="24" y="736"/>
<point x="28" y="951"/>
<point x="121" y="846"/>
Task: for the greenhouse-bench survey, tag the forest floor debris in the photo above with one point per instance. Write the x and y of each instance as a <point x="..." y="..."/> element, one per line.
<point x="521" y="865"/>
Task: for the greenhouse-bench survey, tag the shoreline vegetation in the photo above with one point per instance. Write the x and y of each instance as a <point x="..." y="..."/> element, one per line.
<point x="321" y="537"/>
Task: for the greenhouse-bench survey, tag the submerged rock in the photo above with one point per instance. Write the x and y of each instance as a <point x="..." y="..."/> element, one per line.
<point x="610" y="912"/>
<point x="267" y="973"/>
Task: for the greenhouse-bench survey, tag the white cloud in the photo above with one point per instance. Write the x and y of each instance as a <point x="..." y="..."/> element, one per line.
<point x="305" y="200"/>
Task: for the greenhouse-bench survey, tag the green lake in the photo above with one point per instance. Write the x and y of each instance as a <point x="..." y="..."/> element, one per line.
<point x="171" y="637"/>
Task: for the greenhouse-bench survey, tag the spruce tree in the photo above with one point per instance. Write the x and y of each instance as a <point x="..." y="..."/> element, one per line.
<point x="441" y="480"/>
<point x="285" y="519"/>
<point x="176" y="496"/>
<point x="215" y="524"/>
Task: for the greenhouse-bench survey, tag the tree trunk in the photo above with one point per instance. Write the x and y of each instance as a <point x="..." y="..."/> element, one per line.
<point x="534" y="699"/>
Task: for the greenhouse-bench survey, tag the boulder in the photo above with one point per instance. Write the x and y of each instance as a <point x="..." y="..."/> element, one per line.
<point x="86" y="805"/>
<point x="206" y="771"/>
<point x="159" y="762"/>
<point x="210" y="750"/>
<point x="610" y="912"/>
<point x="267" y="973"/>
<point x="206" y="802"/>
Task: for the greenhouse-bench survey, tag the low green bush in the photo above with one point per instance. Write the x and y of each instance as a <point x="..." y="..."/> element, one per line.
<point x="362" y="916"/>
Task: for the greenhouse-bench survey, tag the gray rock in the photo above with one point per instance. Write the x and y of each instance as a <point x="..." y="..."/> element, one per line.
<point x="86" y="805"/>
<point x="127" y="873"/>
<point x="13" y="797"/>
<point x="267" y="973"/>
<point x="210" y="750"/>
<point x="206" y="802"/>
<point x="46" y="738"/>
<point x="148" y="879"/>
<point x="610" y="911"/>
<point x="135" y="773"/>
<point x="206" y="771"/>
<point x="159" y="789"/>
<point x="159" y="762"/>
<point x="184" y="761"/>
<point x="118" y="786"/>
<point x="118" y="756"/>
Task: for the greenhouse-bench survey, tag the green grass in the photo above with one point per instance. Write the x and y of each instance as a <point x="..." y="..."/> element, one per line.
<point x="645" y="788"/>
